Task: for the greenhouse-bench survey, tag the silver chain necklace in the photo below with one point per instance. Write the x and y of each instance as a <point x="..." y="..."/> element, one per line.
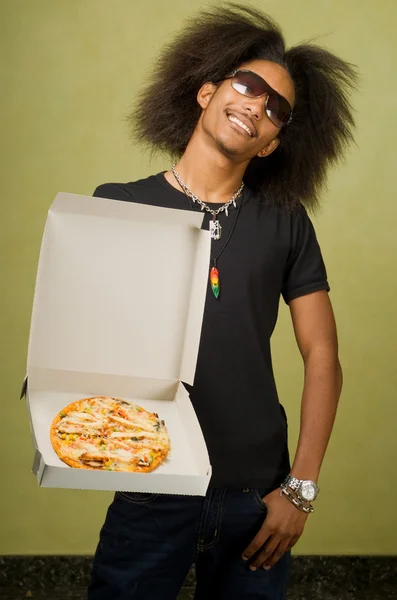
<point x="215" y="226"/>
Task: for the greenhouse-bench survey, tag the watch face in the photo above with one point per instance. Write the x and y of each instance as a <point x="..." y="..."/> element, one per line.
<point x="308" y="491"/>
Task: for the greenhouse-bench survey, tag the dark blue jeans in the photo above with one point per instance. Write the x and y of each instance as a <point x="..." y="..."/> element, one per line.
<point x="149" y="541"/>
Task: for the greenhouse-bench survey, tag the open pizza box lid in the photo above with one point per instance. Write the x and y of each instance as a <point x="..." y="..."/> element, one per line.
<point x="117" y="311"/>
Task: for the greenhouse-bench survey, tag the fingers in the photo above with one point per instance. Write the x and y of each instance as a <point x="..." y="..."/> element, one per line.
<point x="257" y="543"/>
<point x="270" y="553"/>
<point x="293" y="541"/>
<point x="263" y="558"/>
<point x="271" y="559"/>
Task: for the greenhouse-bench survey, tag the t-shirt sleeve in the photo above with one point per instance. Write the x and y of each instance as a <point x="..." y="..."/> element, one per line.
<point x="305" y="271"/>
<point x="114" y="191"/>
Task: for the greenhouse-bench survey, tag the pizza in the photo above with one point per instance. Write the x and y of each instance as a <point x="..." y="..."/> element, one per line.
<point x="109" y="434"/>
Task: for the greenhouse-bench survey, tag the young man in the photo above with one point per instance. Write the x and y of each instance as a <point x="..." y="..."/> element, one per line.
<point x="254" y="128"/>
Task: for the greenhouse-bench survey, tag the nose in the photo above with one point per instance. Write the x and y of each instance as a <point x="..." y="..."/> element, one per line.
<point x="256" y="106"/>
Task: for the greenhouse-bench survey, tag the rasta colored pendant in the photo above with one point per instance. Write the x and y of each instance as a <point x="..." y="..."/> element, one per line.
<point x="214" y="273"/>
<point x="214" y="280"/>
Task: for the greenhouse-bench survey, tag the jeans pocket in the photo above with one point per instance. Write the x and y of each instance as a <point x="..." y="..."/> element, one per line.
<point x="258" y="494"/>
<point x="136" y="497"/>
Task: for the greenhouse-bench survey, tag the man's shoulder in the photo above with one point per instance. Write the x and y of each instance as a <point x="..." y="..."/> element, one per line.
<point x="271" y="212"/>
<point x="132" y="191"/>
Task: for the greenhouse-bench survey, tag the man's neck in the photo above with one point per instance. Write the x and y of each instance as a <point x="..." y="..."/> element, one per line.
<point x="208" y="174"/>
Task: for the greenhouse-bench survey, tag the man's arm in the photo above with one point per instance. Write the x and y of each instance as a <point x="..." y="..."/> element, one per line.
<point x="316" y="336"/>
<point x="315" y="333"/>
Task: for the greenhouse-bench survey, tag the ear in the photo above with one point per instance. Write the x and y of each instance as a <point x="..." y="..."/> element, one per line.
<point x="269" y="148"/>
<point x="205" y="94"/>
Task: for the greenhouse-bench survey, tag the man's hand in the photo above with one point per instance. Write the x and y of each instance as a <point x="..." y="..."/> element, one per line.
<point x="280" y="531"/>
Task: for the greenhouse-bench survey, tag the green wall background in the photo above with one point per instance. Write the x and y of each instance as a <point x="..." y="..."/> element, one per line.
<point x="69" y="71"/>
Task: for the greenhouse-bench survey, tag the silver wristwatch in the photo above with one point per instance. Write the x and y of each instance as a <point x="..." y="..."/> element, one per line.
<point x="305" y="489"/>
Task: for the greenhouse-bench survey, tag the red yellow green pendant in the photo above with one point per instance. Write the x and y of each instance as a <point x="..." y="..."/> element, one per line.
<point x="215" y="283"/>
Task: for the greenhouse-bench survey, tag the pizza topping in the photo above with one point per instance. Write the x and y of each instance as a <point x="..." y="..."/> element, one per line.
<point x="134" y="434"/>
<point x="105" y="456"/>
<point x="74" y="427"/>
<point x="138" y="445"/>
<point x="121" y="420"/>
<point x="94" y="423"/>
<point x="142" y="423"/>
<point x="82" y="415"/>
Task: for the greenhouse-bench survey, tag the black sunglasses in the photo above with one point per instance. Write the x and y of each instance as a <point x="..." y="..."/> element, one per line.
<point x="252" y="85"/>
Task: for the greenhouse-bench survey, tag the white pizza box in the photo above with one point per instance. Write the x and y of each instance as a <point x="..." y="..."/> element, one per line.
<point x="117" y="311"/>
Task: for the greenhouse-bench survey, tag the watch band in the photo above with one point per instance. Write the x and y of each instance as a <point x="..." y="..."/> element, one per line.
<point x="292" y="482"/>
<point x="298" y="504"/>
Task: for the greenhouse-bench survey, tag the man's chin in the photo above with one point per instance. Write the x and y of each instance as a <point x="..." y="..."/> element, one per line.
<point x="229" y="150"/>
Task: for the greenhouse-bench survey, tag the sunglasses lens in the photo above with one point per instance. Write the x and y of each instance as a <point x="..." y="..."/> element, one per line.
<point x="249" y="84"/>
<point x="278" y="110"/>
<point x="252" y="85"/>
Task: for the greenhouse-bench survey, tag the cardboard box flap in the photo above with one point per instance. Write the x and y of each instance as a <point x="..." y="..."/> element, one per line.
<point x="119" y="299"/>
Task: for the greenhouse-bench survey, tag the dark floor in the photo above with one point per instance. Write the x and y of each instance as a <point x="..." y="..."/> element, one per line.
<point x="309" y="593"/>
<point x="312" y="578"/>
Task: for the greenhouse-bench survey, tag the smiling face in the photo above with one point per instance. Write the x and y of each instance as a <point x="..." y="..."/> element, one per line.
<point x="238" y="125"/>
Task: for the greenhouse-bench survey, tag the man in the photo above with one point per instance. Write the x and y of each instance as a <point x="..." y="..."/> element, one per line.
<point x="254" y="128"/>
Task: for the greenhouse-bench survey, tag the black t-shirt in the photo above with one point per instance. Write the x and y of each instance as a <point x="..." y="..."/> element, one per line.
<point x="271" y="252"/>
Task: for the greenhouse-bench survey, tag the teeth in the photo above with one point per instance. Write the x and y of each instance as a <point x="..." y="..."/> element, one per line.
<point x="238" y="122"/>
